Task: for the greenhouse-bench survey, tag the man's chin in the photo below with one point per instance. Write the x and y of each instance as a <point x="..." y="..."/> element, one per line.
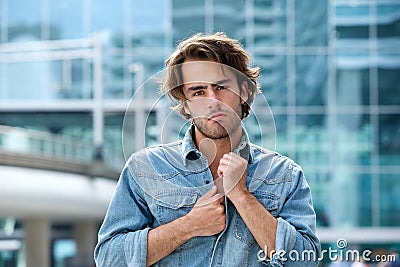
<point x="213" y="134"/>
<point x="213" y="129"/>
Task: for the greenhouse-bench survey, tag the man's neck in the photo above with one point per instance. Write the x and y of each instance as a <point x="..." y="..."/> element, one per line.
<point x="214" y="149"/>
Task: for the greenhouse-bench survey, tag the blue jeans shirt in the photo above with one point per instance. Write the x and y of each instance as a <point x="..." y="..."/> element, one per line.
<point x="162" y="183"/>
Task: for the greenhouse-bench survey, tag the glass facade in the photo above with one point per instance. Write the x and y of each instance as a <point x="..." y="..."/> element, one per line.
<point x="367" y="60"/>
<point x="330" y="71"/>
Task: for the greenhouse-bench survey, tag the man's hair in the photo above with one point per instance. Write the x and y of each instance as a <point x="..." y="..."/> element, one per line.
<point x="219" y="48"/>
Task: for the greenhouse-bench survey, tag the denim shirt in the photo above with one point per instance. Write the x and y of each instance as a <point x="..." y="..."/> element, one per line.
<point x="162" y="183"/>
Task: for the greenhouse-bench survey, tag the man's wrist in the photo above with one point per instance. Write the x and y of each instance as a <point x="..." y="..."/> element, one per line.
<point x="238" y="195"/>
<point x="182" y="229"/>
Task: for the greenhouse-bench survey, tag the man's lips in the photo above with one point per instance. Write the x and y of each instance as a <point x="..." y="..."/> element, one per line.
<point x="217" y="116"/>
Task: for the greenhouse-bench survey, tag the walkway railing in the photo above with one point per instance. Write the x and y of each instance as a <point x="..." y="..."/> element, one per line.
<point x="19" y="140"/>
<point x="31" y="148"/>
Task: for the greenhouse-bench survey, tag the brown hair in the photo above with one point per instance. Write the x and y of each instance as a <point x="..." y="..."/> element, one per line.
<point x="219" y="48"/>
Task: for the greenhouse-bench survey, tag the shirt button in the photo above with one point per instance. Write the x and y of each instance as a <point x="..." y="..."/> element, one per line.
<point x="207" y="181"/>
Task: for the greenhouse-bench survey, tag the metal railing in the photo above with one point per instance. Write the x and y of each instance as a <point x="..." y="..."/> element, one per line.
<point x="25" y="141"/>
<point x="36" y="149"/>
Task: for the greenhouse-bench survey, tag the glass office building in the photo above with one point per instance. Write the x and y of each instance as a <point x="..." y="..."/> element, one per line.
<point x="330" y="73"/>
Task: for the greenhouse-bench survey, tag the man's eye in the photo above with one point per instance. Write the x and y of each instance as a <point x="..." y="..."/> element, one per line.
<point x="220" y="87"/>
<point x="198" y="93"/>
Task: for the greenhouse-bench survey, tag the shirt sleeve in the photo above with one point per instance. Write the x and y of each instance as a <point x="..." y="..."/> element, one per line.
<point x="122" y="238"/>
<point x="296" y="242"/>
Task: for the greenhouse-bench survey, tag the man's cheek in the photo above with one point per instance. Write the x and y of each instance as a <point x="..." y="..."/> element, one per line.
<point x="198" y="108"/>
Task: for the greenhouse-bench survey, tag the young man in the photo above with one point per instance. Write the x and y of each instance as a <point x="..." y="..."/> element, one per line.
<point x="213" y="198"/>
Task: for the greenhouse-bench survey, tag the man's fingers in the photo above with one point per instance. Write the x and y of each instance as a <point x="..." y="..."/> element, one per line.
<point x="210" y="193"/>
<point x="219" y="183"/>
<point x="229" y="160"/>
<point x="220" y="170"/>
<point x="211" y="196"/>
<point x="207" y="197"/>
<point x="219" y="198"/>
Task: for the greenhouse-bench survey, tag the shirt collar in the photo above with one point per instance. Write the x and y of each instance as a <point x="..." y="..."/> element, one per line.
<point x="188" y="148"/>
<point x="244" y="149"/>
<point x="190" y="152"/>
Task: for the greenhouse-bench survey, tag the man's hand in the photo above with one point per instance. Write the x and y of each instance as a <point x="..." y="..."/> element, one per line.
<point x="232" y="169"/>
<point x="205" y="219"/>
<point x="208" y="215"/>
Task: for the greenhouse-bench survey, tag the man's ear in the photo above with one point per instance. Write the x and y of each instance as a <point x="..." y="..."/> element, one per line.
<point x="244" y="92"/>
<point x="185" y="106"/>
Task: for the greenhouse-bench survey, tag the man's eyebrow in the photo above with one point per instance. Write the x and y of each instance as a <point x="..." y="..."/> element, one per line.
<point x="200" y="87"/>
<point x="221" y="82"/>
<point x="196" y="87"/>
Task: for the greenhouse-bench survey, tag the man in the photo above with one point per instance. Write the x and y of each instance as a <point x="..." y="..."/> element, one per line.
<point x="213" y="198"/>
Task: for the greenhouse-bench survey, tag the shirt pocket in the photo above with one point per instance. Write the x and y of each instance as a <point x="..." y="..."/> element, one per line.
<point x="269" y="201"/>
<point x="173" y="204"/>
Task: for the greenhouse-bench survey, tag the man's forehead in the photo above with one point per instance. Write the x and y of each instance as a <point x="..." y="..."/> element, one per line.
<point x="207" y="72"/>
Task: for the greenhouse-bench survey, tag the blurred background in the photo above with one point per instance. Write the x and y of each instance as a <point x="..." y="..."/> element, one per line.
<point x="68" y="68"/>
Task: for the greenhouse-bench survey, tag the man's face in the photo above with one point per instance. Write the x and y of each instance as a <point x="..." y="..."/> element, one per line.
<point x="213" y="98"/>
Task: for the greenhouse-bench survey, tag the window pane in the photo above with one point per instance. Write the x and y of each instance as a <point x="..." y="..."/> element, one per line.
<point x="188" y="18"/>
<point x="76" y="127"/>
<point x="311" y="80"/>
<point x="389" y="141"/>
<point x="148" y="23"/>
<point x="319" y="182"/>
<point x="63" y="251"/>
<point x="152" y="67"/>
<point x="234" y="26"/>
<point x="389" y="199"/>
<point x="364" y="200"/>
<point x="2" y="38"/>
<point x="388" y="20"/>
<point x="352" y="54"/>
<point x="352" y="87"/>
<point x="152" y="131"/>
<point x="311" y="27"/>
<point x="269" y="23"/>
<point x="107" y="16"/>
<point x="46" y="80"/>
<point x="352" y="21"/>
<point x="353" y="140"/>
<point x="272" y="77"/>
<point x="350" y="198"/>
<point x="31" y="80"/>
<point x="66" y="19"/>
<point x="113" y="76"/>
<point x="24" y="20"/>
<point x="352" y="32"/>
<point x="345" y="14"/>
<point x="81" y="79"/>
<point x="73" y="124"/>
<point x="123" y="75"/>
<point x="349" y="194"/>
<point x="112" y="151"/>
<point x="389" y="85"/>
<point x="312" y="144"/>
<point x="260" y="124"/>
<point x="129" y="140"/>
<point x="282" y="145"/>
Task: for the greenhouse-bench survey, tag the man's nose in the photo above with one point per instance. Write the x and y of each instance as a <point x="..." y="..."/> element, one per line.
<point x="213" y="99"/>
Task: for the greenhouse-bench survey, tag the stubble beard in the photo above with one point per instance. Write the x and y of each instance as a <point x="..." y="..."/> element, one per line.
<point x="219" y="130"/>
